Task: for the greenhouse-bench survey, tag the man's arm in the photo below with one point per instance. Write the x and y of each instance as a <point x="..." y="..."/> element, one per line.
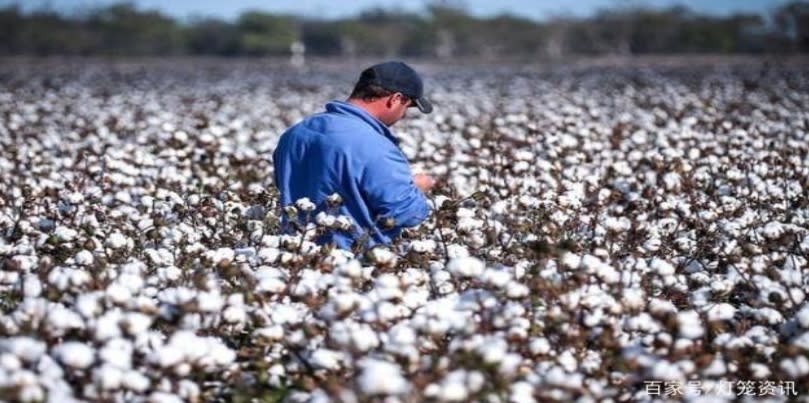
<point x="391" y="192"/>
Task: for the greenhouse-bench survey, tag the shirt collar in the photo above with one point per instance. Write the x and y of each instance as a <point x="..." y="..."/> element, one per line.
<point x="345" y="108"/>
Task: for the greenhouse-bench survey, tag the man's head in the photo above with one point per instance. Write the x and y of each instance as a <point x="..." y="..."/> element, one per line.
<point x="387" y="89"/>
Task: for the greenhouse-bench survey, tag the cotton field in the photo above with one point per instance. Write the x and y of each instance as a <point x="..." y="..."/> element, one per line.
<point x="602" y="232"/>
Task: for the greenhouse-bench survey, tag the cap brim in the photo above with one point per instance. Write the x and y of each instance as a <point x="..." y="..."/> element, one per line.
<point x="424" y="105"/>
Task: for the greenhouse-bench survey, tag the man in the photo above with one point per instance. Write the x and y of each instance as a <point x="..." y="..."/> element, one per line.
<point x="349" y="150"/>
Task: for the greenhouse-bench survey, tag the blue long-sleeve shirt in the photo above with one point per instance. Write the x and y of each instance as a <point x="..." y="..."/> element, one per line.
<point x="347" y="151"/>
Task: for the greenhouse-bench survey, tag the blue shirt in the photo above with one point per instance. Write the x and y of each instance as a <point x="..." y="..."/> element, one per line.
<point x="347" y="151"/>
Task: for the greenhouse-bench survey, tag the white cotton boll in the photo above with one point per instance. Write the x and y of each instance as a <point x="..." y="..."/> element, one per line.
<point x="221" y="354"/>
<point x="117" y="352"/>
<point x="135" y="323"/>
<point x="325" y="220"/>
<point x="522" y="392"/>
<point x="31" y="393"/>
<point x="325" y="359"/>
<point x="468" y="267"/>
<point x="796" y="367"/>
<point x="65" y="234"/>
<point x="209" y="301"/>
<point x="773" y="230"/>
<point x="721" y="311"/>
<point x="803" y="316"/>
<point x="453" y="391"/>
<point x="108" y="377"/>
<point x="27" y="349"/>
<point x="270" y="333"/>
<point x="118" y="294"/>
<point x="633" y="298"/>
<point x="351" y="269"/>
<point x="79" y="278"/>
<point x="269" y="255"/>
<point x="364" y="338"/>
<point x="305" y="205"/>
<point x="75" y="354"/>
<point x="164" y="397"/>
<point x="456" y="251"/>
<point x="84" y="258"/>
<point x="167" y="356"/>
<point x="189" y="390"/>
<point x="134" y="282"/>
<point x="760" y="371"/>
<point x="107" y="326"/>
<point x="272" y="285"/>
<point x="423" y="246"/>
<point x="234" y="314"/>
<point x="690" y="325"/>
<point x="665" y="370"/>
<point x="381" y="378"/>
<point x="383" y="256"/>
<point x="571" y="260"/>
<point x="60" y="319"/>
<point x="661" y="267"/>
<point x="496" y="278"/>
<point x="31" y="286"/>
<point x="116" y="240"/>
<point x="539" y="345"/>
<point x="493" y="350"/>
<point x="135" y="381"/>
<point x="652" y="244"/>
<point x="9" y="362"/>
<point x="802" y="341"/>
<point x="515" y="290"/>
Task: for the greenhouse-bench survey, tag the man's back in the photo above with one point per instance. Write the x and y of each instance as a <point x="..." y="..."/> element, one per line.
<point x="347" y="151"/>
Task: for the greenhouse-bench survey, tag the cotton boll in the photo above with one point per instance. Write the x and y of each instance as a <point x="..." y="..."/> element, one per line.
<point x="167" y="356"/>
<point x="26" y="348"/>
<point x="116" y="240"/>
<point x="189" y="390"/>
<point x="31" y="393"/>
<point x="222" y="355"/>
<point x="271" y="285"/>
<point x="75" y="354"/>
<point x="118" y="294"/>
<point x="721" y="311"/>
<point x="522" y="392"/>
<point x="516" y="290"/>
<point x="457" y="251"/>
<point x="118" y="353"/>
<point x="383" y="256"/>
<point x="661" y="267"/>
<point x="305" y="205"/>
<point x="690" y="325"/>
<point x="453" y="391"/>
<point x="467" y="267"/>
<point x="84" y="258"/>
<point x="135" y="323"/>
<point x="135" y="381"/>
<point x="379" y="377"/>
<point x="31" y="286"/>
<point x="108" y="377"/>
<point x="325" y="359"/>
<point x="65" y="234"/>
<point x="164" y="397"/>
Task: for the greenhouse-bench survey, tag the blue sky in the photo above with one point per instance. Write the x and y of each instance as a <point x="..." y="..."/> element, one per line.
<point x="535" y="9"/>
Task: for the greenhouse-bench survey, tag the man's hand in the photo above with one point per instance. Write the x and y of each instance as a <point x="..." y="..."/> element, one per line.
<point x="424" y="182"/>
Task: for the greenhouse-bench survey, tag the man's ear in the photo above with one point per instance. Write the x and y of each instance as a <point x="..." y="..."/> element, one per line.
<point x="390" y="101"/>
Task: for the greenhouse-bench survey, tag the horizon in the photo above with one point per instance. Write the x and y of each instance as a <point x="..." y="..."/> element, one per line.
<point x="318" y="9"/>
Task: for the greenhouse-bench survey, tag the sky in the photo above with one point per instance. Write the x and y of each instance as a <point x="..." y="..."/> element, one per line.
<point x="533" y="9"/>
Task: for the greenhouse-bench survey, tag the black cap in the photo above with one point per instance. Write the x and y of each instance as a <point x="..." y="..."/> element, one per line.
<point x="399" y="77"/>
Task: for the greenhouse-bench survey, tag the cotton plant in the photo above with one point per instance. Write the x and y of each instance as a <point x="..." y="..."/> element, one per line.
<point x="590" y="232"/>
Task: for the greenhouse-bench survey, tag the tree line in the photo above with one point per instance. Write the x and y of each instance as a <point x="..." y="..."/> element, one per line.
<point x="443" y="31"/>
